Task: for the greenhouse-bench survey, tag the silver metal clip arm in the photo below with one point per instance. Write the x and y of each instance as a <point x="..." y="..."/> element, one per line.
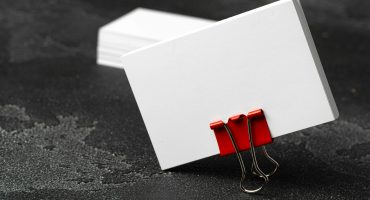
<point x="242" y="166"/>
<point x="255" y="167"/>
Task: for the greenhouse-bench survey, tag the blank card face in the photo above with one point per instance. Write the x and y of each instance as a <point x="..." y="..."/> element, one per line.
<point x="264" y="58"/>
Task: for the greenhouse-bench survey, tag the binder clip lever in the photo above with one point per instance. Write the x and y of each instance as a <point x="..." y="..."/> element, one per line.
<point x="239" y="129"/>
<point x="250" y="116"/>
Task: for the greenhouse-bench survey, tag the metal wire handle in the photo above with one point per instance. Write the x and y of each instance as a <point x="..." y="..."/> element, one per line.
<point x="242" y="166"/>
<point x="255" y="167"/>
<point x="273" y="161"/>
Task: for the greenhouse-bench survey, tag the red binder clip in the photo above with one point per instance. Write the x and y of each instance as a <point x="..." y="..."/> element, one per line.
<point x="244" y="132"/>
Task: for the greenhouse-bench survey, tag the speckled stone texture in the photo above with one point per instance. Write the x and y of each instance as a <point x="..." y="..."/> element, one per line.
<point x="70" y="129"/>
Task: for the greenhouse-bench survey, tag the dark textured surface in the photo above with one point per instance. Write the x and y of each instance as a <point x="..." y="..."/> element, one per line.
<point x="70" y="129"/>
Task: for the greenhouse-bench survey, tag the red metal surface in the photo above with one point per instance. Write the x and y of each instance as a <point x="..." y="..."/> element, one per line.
<point x="238" y="125"/>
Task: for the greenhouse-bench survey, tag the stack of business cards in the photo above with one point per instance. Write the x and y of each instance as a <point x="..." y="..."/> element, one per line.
<point x="265" y="58"/>
<point x="140" y="28"/>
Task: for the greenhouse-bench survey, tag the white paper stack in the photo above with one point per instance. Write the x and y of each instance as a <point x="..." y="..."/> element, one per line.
<point x="265" y="58"/>
<point x="140" y="28"/>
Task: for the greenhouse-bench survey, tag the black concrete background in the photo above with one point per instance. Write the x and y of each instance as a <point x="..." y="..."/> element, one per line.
<point x="70" y="129"/>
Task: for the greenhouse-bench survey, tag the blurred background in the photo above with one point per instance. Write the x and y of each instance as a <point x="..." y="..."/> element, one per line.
<point x="71" y="129"/>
